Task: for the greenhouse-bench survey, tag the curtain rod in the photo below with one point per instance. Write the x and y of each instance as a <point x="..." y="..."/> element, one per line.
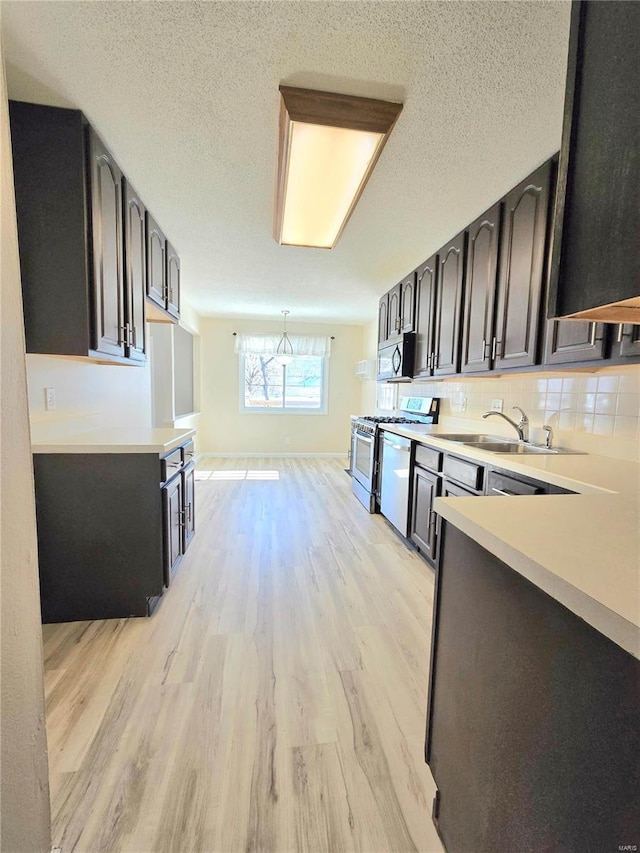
<point x="333" y="337"/>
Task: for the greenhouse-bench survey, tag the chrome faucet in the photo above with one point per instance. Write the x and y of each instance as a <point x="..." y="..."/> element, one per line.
<point x="522" y="427"/>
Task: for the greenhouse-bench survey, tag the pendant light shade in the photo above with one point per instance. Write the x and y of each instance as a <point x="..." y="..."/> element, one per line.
<point x="284" y="350"/>
<point x="328" y="146"/>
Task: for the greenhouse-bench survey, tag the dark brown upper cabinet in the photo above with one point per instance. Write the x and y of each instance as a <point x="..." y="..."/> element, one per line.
<point x="425" y="316"/>
<point x="163" y="276"/>
<point x="383" y="319"/>
<point x="626" y="341"/>
<point x="574" y="341"/>
<point x="108" y="265"/>
<point x="594" y="273"/>
<point x="448" y="310"/>
<point x="408" y="303"/>
<point x="70" y="229"/>
<point x="173" y="281"/>
<point x="522" y="271"/>
<point x="135" y="272"/>
<point x="395" y="310"/>
<point x="156" y="263"/>
<point x="480" y="290"/>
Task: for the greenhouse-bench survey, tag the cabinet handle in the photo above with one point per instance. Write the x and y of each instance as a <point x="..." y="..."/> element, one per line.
<point x="190" y="511"/>
<point x="494" y="348"/>
<point x="486" y="349"/>
<point x="123" y="332"/>
<point x="622" y="334"/>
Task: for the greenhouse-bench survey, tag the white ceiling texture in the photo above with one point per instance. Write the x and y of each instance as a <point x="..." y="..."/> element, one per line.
<point x="185" y="94"/>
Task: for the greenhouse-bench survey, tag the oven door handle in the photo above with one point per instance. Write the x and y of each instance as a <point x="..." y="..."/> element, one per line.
<point x="364" y="436"/>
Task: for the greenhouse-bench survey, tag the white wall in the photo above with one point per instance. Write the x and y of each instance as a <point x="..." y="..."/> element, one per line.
<point x="24" y="797"/>
<point x="224" y="429"/>
<point x="88" y="394"/>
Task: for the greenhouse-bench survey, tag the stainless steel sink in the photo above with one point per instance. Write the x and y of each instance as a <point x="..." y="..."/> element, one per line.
<point x="469" y="438"/>
<point x="517" y="447"/>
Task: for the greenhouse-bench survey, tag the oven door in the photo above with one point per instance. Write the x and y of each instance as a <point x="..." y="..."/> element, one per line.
<point x="362" y="459"/>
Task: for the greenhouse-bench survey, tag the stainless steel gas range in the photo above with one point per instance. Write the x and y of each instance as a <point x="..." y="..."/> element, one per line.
<point x="365" y="439"/>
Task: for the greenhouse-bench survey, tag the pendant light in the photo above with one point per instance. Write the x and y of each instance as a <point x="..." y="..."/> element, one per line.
<point x="284" y="350"/>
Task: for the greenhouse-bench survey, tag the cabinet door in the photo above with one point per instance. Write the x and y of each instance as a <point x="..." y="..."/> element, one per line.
<point x="425" y="305"/>
<point x="383" y="319"/>
<point x="173" y="500"/>
<point x="595" y="256"/>
<point x="189" y="486"/>
<point x="135" y="255"/>
<point x="408" y="303"/>
<point x="395" y="309"/>
<point x="173" y="281"/>
<point x="480" y="290"/>
<point x="426" y="487"/>
<point x="522" y="270"/>
<point x="449" y="307"/>
<point x="156" y="263"/>
<point x="106" y="231"/>
<point x="572" y="340"/>
<point x="628" y="339"/>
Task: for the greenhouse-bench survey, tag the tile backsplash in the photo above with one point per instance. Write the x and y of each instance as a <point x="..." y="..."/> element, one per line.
<point x="597" y="412"/>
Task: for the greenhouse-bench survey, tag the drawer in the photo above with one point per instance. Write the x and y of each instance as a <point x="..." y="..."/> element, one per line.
<point x="188" y="452"/>
<point x="462" y="471"/>
<point x="503" y="485"/>
<point x="171" y="464"/>
<point x="427" y="457"/>
<point x="453" y="490"/>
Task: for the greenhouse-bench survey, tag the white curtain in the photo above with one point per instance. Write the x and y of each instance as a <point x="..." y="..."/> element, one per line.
<point x="268" y="344"/>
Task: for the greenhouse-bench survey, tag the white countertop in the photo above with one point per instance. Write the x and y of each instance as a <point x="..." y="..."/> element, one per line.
<point x="112" y="440"/>
<point x="583" y="549"/>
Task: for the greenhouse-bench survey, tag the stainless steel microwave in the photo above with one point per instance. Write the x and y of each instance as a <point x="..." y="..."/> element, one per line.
<point x="395" y="358"/>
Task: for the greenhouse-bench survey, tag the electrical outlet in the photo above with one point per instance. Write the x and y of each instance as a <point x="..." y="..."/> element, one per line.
<point x="49" y="399"/>
<point x="497" y="405"/>
<point x="287" y="440"/>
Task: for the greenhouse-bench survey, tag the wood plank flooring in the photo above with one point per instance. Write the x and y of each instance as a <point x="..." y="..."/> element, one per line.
<point x="276" y="699"/>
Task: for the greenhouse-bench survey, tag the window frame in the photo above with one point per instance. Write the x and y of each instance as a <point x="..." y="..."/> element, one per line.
<point x="281" y="410"/>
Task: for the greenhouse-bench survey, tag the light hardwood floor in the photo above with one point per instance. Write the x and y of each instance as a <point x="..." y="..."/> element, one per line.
<point x="276" y="699"/>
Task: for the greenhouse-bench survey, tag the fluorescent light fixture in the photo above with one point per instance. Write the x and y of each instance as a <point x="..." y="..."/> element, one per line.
<point x="328" y="147"/>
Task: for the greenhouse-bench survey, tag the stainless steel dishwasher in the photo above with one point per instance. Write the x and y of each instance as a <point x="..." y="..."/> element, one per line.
<point x="394" y="489"/>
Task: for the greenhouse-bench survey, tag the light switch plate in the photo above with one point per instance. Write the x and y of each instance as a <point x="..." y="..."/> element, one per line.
<point x="49" y="399"/>
<point x="497" y="405"/>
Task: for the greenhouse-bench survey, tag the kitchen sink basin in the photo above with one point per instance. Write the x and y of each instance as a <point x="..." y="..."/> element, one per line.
<point x="470" y="438"/>
<point x="517" y="447"/>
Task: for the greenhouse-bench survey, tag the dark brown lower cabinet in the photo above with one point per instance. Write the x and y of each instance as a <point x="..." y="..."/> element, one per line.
<point x="109" y="536"/>
<point x="426" y="488"/>
<point x="189" y="486"/>
<point x="178" y="501"/>
<point x="100" y="534"/>
<point x="173" y="500"/>
<point x="533" y="720"/>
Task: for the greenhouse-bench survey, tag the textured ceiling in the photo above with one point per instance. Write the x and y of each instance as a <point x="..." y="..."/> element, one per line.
<point x="186" y="96"/>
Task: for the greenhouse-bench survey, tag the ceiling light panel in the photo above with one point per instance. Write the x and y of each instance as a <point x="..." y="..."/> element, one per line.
<point x="329" y="145"/>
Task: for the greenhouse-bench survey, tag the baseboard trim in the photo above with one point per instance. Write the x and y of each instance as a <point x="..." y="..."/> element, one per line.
<point x="253" y="455"/>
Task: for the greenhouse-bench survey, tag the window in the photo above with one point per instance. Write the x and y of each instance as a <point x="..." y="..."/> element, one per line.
<point x="300" y="387"/>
